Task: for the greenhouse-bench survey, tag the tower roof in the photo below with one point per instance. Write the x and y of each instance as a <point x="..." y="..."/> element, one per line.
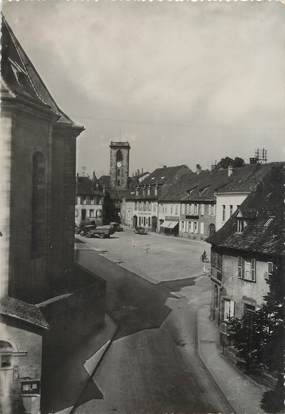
<point x="120" y="144"/>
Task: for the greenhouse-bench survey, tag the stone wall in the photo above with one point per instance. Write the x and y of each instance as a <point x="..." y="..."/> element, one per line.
<point x="28" y="274"/>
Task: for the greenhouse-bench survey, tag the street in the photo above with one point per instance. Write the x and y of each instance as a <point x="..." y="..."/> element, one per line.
<point x="152" y="365"/>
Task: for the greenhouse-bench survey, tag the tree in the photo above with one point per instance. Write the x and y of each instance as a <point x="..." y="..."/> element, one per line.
<point x="259" y="338"/>
<point x="238" y="162"/>
<point x="227" y="161"/>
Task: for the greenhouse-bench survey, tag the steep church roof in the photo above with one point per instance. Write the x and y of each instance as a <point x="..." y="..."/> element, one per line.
<point x="20" y="78"/>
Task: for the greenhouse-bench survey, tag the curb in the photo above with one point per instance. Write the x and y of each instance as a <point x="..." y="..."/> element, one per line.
<point x="210" y="372"/>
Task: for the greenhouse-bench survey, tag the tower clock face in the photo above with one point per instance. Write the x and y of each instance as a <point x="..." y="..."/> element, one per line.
<point x="119" y="164"/>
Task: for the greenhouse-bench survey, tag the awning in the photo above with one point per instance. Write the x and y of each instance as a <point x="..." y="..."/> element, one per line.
<point x="169" y="224"/>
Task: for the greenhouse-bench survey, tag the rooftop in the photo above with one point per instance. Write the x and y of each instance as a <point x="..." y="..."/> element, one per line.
<point x="263" y="211"/>
<point x="24" y="311"/>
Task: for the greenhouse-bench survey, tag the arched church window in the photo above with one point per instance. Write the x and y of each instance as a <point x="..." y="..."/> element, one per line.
<point x="38" y="205"/>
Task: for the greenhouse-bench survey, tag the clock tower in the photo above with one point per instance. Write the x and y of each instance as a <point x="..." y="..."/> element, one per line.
<point x="119" y="164"/>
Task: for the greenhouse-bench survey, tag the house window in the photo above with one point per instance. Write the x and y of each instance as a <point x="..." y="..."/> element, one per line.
<point x="241" y="224"/>
<point x="171" y="210"/>
<point x="202" y="228"/>
<point x="195" y="208"/>
<point x="155" y="191"/>
<point x="247" y="269"/>
<point x="91" y="213"/>
<point x="6" y="360"/>
<point x="229" y="309"/>
<point x="38" y="210"/>
<point x="224" y="212"/>
<point x="149" y="222"/>
<point x="231" y="210"/>
<point x="202" y="209"/>
<point x="195" y="227"/>
<point x="148" y="190"/>
<point x="6" y="351"/>
<point x="118" y="182"/>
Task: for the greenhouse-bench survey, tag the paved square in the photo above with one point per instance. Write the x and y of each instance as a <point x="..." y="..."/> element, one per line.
<point x="153" y="256"/>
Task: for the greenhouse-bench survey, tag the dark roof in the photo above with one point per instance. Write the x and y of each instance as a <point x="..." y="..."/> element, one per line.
<point x="20" y="78"/>
<point x="196" y="187"/>
<point x="263" y="210"/>
<point x="124" y="144"/>
<point x="165" y="175"/>
<point x="245" y="179"/>
<point x="24" y="311"/>
<point x="86" y="186"/>
<point x="105" y="181"/>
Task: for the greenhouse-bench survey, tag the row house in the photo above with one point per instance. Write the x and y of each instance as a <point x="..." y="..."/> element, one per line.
<point x="89" y="200"/>
<point x="246" y="249"/>
<point x="143" y="202"/>
<point x="193" y="200"/>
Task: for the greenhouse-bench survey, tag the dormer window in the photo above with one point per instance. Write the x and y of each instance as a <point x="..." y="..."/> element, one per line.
<point x="241" y="224"/>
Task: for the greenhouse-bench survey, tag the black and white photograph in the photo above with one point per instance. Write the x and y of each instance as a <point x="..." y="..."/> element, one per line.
<point x="142" y="220"/>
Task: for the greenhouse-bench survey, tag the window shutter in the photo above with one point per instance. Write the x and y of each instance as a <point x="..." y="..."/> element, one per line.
<point x="240" y="272"/>
<point x="232" y="308"/>
<point x="253" y="265"/>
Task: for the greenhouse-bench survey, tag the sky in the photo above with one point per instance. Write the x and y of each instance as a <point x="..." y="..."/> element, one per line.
<point x="184" y="83"/>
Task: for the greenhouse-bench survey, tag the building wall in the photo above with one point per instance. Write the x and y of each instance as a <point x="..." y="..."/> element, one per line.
<point x="127" y="212"/>
<point x="242" y="292"/>
<point x="168" y="209"/>
<point x="5" y="181"/>
<point x="146" y="212"/>
<point x="94" y="209"/>
<point x="227" y="200"/>
<point x="63" y="201"/>
<point x="28" y="342"/>
<point x="196" y="219"/>
<point x="28" y="274"/>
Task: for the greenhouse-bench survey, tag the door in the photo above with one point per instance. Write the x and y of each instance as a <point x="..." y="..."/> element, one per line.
<point x="83" y="214"/>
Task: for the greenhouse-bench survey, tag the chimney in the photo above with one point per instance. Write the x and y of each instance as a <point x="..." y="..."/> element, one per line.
<point x="230" y="170"/>
<point x="198" y="169"/>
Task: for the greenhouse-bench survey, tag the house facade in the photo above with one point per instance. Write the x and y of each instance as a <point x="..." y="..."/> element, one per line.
<point x="144" y="198"/>
<point x="245" y="251"/>
<point x="89" y="201"/>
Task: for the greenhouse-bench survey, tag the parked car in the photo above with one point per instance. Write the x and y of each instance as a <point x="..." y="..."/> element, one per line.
<point x="116" y="226"/>
<point x="140" y="230"/>
<point x="84" y="230"/>
<point x="101" y="232"/>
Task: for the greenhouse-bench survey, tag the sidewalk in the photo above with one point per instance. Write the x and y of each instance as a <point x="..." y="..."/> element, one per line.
<point x="242" y="393"/>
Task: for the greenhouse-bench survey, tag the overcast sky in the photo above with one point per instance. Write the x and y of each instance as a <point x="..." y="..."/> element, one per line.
<point x="182" y="82"/>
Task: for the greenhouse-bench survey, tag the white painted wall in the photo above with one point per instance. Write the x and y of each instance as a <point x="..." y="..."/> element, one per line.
<point x="227" y="200"/>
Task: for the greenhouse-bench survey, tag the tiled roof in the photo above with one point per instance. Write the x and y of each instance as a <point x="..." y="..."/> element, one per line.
<point x="196" y="187"/>
<point x="21" y="78"/>
<point x="24" y="311"/>
<point x="165" y="175"/>
<point x="245" y="179"/>
<point x="86" y="186"/>
<point x="163" y="178"/>
<point x="263" y="210"/>
<point x="105" y="181"/>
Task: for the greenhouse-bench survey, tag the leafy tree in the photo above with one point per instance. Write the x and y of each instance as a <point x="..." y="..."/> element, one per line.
<point x="259" y="338"/>
<point x="227" y="161"/>
<point x="238" y="162"/>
